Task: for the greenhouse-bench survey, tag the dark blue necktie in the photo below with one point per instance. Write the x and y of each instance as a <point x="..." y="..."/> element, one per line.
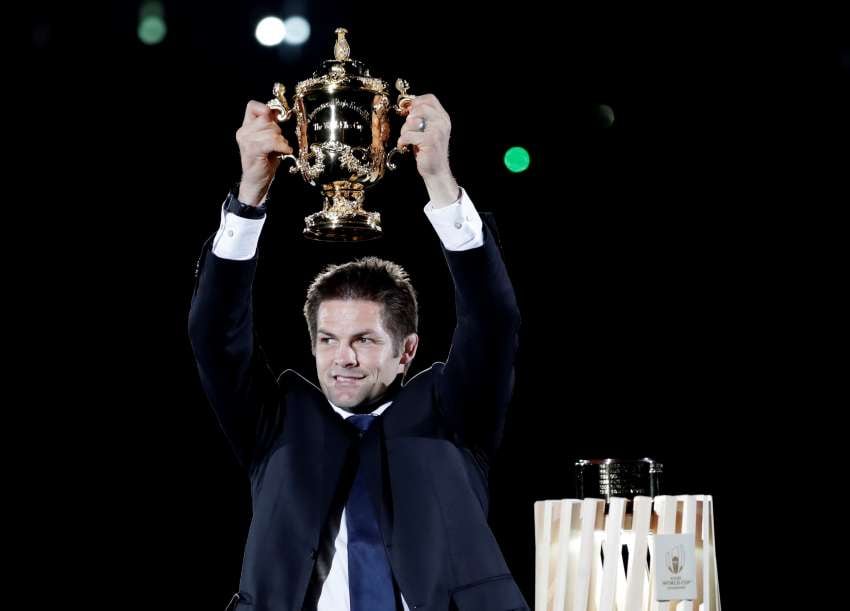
<point x="370" y="582"/>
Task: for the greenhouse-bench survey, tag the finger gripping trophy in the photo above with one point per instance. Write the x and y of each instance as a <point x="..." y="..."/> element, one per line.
<point x="342" y="125"/>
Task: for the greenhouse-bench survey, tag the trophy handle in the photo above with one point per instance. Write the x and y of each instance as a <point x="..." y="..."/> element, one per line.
<point x="279" y="103"/>
<point x="397" y="151"/>
<point x="402" y="106"/>
<point x="284" y="113"/>
<point x="402" y="109"/>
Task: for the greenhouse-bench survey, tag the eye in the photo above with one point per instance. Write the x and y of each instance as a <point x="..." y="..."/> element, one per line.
<point x="365" y="340"/>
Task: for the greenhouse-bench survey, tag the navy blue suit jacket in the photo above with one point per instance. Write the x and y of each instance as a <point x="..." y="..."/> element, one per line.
<point x="428" y="457"/>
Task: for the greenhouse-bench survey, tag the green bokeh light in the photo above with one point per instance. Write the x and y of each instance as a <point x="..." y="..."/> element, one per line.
<point x="517" y="159"/>
<point x="152" y="30"/>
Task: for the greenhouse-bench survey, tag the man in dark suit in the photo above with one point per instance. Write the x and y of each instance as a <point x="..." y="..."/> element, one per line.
<point x="369" y="492"/>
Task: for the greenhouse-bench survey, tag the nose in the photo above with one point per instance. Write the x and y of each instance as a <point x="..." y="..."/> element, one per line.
<point x="345" y="356"/>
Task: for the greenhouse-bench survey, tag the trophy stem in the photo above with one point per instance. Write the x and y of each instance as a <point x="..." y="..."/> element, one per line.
<point x="342" y="218"/>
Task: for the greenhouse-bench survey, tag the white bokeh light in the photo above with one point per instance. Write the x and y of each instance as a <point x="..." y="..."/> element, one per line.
<point x="270" y="31"/>
<point x="297" y="30"/>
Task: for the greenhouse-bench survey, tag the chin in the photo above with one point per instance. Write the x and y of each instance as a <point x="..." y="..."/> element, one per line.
<point x="345" y="401"/>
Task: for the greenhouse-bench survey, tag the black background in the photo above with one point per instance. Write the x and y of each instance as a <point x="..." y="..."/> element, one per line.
<point x="648" y="263"/>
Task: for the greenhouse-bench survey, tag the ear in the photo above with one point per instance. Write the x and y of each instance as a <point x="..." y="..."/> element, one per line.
<point x="408" y="351"/>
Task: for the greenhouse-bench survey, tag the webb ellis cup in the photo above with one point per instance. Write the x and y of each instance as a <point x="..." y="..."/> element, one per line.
<point x="342" y="117"/>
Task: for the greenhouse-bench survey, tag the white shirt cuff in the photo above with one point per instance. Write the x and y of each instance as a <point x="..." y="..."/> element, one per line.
<point x="237" y="237"/>
<point x="458" y="225"/>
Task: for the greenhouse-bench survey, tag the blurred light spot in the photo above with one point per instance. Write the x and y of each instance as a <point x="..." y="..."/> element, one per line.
<point x="152" y="30"/>
<point x="270" y="31"/>
<point x="517" y="159"/>
<point x="297" y="30"/>
<point x="604" y="115"/>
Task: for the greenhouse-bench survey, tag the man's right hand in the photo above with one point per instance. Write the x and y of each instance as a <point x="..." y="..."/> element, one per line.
<point x="260" y="146"/>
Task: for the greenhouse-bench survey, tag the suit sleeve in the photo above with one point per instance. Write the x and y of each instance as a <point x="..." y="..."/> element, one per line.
<point x="233" y="371"/>
<point x="474" y="386"/>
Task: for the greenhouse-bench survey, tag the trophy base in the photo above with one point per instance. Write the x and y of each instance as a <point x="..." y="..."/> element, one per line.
<point x="357" y="227"/>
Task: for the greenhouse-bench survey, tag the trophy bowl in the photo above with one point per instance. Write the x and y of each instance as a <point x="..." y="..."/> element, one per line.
<point x="342" y="117"/>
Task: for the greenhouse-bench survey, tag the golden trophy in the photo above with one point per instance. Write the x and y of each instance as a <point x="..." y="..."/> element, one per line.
<point x="342" y="127"/>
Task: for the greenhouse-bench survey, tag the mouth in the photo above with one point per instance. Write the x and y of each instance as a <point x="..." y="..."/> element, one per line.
<point x="347" y="380"/>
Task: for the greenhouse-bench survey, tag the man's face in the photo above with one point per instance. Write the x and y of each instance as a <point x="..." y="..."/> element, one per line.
<point x="356" y="359"/>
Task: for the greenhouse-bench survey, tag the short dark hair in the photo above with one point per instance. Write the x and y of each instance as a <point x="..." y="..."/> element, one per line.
<point x="369" y="279"/>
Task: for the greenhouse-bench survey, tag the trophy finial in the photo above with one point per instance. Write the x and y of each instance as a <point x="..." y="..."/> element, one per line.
<point x="341" y="49"/>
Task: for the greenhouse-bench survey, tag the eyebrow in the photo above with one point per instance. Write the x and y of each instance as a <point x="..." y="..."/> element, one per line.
<point x="358" y="334"/>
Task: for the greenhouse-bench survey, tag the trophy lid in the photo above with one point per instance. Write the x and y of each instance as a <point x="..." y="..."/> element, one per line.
<point x="341" y="72"/>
